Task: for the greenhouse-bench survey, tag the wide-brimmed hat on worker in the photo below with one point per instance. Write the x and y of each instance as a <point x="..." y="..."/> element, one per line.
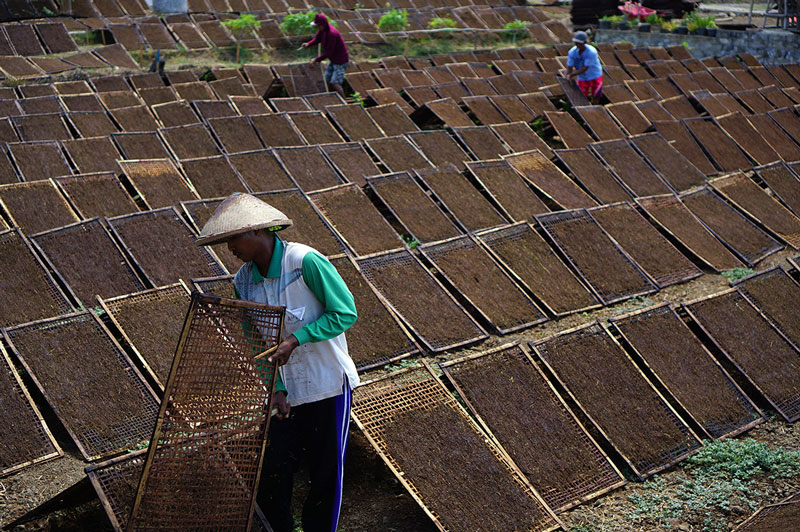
<point x="580" y="37"/>
<point x="240" y="213"/>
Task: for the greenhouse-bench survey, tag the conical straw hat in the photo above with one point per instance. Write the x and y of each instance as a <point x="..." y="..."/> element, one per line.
<point x="240" y="213"/>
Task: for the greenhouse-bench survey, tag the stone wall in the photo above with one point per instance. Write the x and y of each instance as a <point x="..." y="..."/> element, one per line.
<point x="769" y="46"/>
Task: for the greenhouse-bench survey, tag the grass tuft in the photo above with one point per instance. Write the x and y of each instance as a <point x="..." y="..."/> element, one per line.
<point x="735" y="274"/>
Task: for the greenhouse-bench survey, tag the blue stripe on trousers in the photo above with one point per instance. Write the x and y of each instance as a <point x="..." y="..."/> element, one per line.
<point x="343" y="425"/>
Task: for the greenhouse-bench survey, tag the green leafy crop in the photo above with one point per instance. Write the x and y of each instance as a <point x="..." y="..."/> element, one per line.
<point x="516" y="29"/>
<point x="441" y="23"/>
<point x="393" y="20"/>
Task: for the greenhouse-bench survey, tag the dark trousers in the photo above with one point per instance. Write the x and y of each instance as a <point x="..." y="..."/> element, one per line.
<point x="315" y="433"/>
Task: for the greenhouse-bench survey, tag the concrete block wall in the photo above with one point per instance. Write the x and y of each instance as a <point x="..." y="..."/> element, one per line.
<point x="769" y="46"/>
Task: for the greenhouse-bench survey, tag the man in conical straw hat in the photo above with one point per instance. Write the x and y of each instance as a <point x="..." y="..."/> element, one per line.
<point x="316" y="373"/>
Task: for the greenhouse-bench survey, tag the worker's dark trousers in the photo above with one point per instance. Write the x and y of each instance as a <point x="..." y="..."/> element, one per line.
<point x="317" y="434"/>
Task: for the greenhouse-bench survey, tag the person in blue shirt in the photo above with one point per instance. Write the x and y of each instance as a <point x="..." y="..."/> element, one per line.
<point x="583" y="65"/>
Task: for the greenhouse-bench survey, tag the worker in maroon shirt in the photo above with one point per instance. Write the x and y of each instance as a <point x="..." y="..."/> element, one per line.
<point x="333" y="48"/>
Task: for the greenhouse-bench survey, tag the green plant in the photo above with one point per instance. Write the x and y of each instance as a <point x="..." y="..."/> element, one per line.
<point x="393" y="20"/>
<point x="538" y="126"/>
<point x="411" y="241"/>
<point x="441" y="23"/>
<point x="298" y="23"/>
<point x="242" y="27"/>
<point x="668" y="24"/>
<point x="638" y="302"/>
<point x="402" y="364"/>
<point x="357" y="98"/>
<point x="245" y="24"/>
<point x="615" y="19"/>
<point x="721" y="474"/>
<point x="707" y="22"/>
<point x="516" y="29"/>
<point x="695" y="20"/>
<point x="735" y="274"/>
<point x="654" y="19"/>
<point x="584" y="528"/>
<point x="744" y="459"/>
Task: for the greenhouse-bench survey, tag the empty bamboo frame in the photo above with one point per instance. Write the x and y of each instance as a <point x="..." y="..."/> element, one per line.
<point x="204" y="461"/>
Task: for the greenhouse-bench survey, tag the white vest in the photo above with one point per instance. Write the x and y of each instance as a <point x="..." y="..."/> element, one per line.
<point x="315" y="370"/>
